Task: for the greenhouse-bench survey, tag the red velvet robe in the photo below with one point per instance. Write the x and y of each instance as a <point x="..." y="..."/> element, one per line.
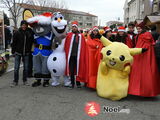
<point x="93" y="58"/>
<point x="129" y="42"/>
<point x="144" y="77"/>
<point x="81" y="56"/>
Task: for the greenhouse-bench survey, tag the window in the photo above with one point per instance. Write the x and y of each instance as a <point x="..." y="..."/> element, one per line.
<point x="89" y="24"/>
<point x="80" y="24"/>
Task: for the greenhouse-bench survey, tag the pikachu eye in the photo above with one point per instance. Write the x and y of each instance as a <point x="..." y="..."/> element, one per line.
<point x="122" y="58"/>
<point x="109" y="52"/>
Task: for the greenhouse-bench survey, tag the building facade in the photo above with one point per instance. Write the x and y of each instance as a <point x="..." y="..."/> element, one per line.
<point x="110" y="23"/>
<point x="156" y="7"/>
<point x="137" y="9"/>
<point x="86" y="20"/>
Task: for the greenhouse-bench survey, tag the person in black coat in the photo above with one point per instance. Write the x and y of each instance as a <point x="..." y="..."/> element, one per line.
<point x="21" y="48"/>
<point x="108" y="34"/>
<point x="154" y="32"/>
<point x="157" y="52"/>
<point x="8" y="37"/>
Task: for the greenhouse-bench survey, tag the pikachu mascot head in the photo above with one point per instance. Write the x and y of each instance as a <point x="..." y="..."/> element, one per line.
<point x="114" y="69"/>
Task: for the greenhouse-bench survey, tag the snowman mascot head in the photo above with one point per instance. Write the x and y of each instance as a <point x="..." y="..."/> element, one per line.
<point x="59" y="25"/>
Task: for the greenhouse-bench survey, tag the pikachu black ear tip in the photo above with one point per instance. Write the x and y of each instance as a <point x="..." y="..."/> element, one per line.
<point x="144" y="50"/>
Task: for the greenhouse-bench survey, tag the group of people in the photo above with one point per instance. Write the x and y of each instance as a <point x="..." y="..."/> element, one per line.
<point x="144" y="78"/>
<point x="83" y="55"/>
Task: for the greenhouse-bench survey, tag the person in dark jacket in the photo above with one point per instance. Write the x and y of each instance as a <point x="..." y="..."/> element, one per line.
<point x="21" y="48"/>
<point x="123" y="37"/>
<point x="157" y="52"/>
<point x="108" y="34"/>
<point x="131" y="34"/>
<point x="154" y="33"/>
<point x="8" y="37"/>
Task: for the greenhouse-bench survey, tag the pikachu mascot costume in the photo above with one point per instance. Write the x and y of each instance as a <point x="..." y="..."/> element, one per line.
<point x="114" y="69"/>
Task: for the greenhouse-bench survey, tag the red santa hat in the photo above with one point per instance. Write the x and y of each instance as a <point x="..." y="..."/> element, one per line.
<point x="106" y="29"/>
<point x="95" y="28"/>
<point x="141" y="25"/>
<point x="114" y="33"/>
<point x="121" y="29"/>
<point x="75" y="23"/>
<point x="43" y="19"/>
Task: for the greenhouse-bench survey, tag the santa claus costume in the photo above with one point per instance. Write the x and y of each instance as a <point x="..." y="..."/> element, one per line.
<point x="94" y="47"/>
<point x="144" y="77"/>
<point x="123" y="37"/>
<point x="75" y="49"/>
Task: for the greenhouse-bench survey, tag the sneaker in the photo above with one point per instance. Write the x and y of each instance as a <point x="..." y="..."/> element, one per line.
<point x="67" y="84"/>
<point x="79" y="86"/>
<point x="55" y="84"/>
<point x="46" y="83"/>
<point x="67" y="81"/>
<point x="26" y="83"/>
<point x="36" y="83"/>
<point x="14" y="84"/>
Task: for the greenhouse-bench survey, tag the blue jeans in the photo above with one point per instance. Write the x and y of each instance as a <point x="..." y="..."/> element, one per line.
<point x="25" y="60"/>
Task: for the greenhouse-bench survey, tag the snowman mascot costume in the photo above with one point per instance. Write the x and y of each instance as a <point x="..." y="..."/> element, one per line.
<point x="57" y="60"/>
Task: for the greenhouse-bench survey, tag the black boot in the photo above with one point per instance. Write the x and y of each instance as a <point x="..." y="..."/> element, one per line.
<point x="78" y="84"/>
<point x="71" y="86"/>
<point x="46" y="83"/>
<point x="36" y="83"/>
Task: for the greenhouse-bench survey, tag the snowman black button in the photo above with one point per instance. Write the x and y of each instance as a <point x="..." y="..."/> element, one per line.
<point x="56" y="45"/>
<point x="54" y="71"/>
<point x="55" y="58"/>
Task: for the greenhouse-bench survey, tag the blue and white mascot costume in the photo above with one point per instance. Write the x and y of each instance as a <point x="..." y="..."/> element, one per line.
<point x="41" y="25"/>
<point x="57" y="60"/>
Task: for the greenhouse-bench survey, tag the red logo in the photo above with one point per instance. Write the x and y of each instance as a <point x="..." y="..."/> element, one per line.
<point x="92" y="109"/>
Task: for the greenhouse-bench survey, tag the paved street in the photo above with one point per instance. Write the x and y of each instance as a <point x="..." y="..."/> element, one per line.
<point x="27" y="103"/>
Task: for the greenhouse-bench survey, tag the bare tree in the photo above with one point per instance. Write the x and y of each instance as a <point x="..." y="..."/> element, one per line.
<point x="15" y="10"/>
<point x="39" y="6"/>
<point x="48" y="5"/>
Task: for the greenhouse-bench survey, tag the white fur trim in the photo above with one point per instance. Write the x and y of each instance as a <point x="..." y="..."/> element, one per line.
<point x="40" y="20"/>
<point x="70" y="50"/>
<point x="75" y="25"/>
<point x="107" y="29"/>
<point x="121" y="30"/>
<point x="79" y="52"/>
<point x="95" y="29"/>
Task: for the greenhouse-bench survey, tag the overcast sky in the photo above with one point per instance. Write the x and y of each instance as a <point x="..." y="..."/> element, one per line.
<point x="106" y="10"/>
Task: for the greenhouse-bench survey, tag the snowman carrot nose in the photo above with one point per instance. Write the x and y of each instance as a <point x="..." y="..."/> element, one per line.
<point x="59" y="20"/>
